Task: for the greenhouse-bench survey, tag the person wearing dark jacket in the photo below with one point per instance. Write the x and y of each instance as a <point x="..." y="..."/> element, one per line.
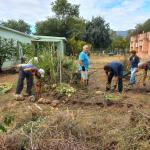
<point x="133" y="63"/>
<point x="114" y="69"/>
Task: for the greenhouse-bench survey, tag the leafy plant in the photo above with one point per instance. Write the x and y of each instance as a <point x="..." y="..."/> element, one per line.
<point x="8" y="50"/>
<point x="8" y="120"/>
<point x="5" y="87"/>
<point x="65" y="89"/>
<point x="2" y="128"/>
<point x="112" y="97"/>
<point x="49" y="62"/>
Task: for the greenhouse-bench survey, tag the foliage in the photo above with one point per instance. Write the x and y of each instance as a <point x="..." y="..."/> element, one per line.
<point x="5" y="87"/>
<point x="119" y="43"/>
<point x="2" y="128"/>
<point x="8" y="50"/>
<point x="65" y="90"/>
<point x="66" y="23"/>
<point x="97" y="33"/>
<point x="6" y="122"/>
<point x="28" y="50"/>
<point x="49" y="62"/>
<point x="64" y="9"/>
<point x="113" y="97"/>
<point x="69" y="68"/>
<point x="140" y="28"/>
<point x="51" y="27"/>
<point x="19" y="25"/>
<point x="75" y="45"/>
<point x="62" y="28"/>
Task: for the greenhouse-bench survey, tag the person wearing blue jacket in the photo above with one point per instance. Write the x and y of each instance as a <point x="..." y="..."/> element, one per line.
<point x="114" y="69"/>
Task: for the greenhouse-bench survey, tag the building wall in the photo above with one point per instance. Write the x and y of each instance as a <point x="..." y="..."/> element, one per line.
<point x="16" y="36"/>
<point x="141" y="43"/>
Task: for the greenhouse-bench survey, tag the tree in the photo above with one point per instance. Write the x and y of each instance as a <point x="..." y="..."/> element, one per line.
<point x="63" y="9"/>
<point x="140" y="28"/>
<point x="119" y="43"/>
<point x="19" y="25"/>
<point x="75" y="45"/>
<point x="55" y="27"/>
<point x="51" y="27"/>
<point x="7" y="50"/>
<point x="97" y="33"/>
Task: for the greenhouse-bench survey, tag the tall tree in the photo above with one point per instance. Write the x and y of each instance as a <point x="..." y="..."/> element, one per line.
<point x="19" y="25"/>
<point x="140" y="28"/>
<point x="97" y="33"/>
<point x="66" y="22"/>
<point x="64" y="9"/>
<point x="51" y="27"/>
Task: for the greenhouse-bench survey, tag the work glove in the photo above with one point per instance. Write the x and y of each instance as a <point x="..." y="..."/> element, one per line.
<point x="83" y="68"/>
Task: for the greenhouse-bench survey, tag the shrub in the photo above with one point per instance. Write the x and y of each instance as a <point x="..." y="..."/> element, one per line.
<point x="8" y="50"/>
<point x="49" y="62"/>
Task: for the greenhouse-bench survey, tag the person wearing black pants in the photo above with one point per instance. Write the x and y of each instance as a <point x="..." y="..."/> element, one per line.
<point x="29" y="79"/>
<point x="114" y="69"/>
<point x="27" y="71"/>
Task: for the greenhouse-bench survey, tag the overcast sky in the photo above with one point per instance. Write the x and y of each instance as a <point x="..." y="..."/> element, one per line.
<point x="121" y="14"/>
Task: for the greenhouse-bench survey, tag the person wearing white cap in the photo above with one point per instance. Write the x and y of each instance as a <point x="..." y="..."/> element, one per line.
<point x="27" y="71"/>
<point x="145" y="66"/>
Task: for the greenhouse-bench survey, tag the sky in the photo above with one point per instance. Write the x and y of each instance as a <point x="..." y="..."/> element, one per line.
<point x="120" y="14"/>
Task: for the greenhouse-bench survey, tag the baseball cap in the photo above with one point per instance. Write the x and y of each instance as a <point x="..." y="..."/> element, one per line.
<point x="42" y="72"/>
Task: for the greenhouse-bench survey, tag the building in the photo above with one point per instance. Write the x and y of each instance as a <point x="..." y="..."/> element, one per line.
<point x="58" y="42"/>
<point x="141" y="44"/>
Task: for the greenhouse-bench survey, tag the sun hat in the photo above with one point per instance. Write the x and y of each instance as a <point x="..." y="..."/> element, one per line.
<point x="42" y="72"/>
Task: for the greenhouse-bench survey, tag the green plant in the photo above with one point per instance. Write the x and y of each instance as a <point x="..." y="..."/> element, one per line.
<point x="65" y="89"/>
<point x="28" y="51"/>
<point x="75" y="45"/>
<point x="2" y="128"/>
<point x="8" y="50"/>
<point x="49" y="62"/>
<point x="112" y="97"/>
<point x="8" y="120"/>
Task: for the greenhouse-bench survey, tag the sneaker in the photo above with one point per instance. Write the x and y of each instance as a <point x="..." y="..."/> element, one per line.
<point x="19" y="97"/>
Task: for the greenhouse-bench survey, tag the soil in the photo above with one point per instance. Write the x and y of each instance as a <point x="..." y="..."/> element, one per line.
<point x="90" y="100"/>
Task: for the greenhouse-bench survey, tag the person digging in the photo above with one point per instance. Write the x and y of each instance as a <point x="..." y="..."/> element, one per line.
<point x="145" y="66"/>
<point x="114" y="69"/>
<point x="84" y="65"/>
<point x="28" y="72"/>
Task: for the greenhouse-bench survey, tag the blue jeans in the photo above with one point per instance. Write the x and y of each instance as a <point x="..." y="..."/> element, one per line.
<point x="132" y="77"/>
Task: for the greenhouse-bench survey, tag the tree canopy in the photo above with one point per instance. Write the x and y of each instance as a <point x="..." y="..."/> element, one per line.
<point x="140" y="28"/>
<point x="97" y="33"/>
<point x="64" y="9"/>
<point x="19" y="25"/>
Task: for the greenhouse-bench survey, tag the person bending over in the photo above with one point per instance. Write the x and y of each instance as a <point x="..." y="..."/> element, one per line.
<point x="114" y="69"/>
<point x="27" y="71"/>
